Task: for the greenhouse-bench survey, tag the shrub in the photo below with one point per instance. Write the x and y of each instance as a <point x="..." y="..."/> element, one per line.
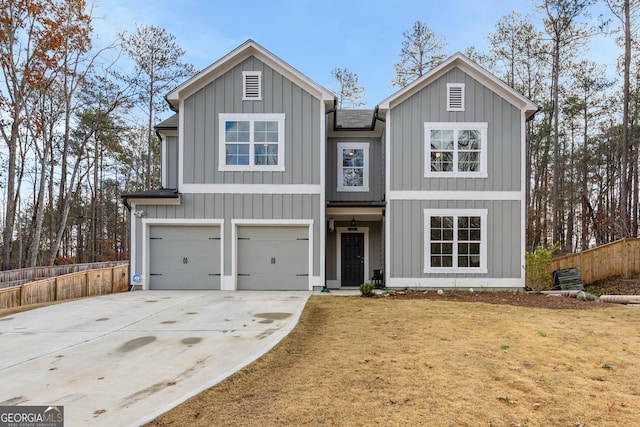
<point x="537" y="268"/>
<point x="366" y="289"/>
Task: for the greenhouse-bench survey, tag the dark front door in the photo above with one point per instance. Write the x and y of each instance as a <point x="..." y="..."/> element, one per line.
<point x="352" y="250"/>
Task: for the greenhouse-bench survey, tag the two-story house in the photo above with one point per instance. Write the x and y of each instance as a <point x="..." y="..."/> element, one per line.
<point x="267" y="186"/>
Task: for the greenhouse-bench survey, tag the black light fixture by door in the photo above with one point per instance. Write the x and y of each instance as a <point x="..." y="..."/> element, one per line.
<point x="353" y="222"/>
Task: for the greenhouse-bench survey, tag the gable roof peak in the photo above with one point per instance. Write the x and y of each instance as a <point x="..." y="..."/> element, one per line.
<point x="471" y="68"/>
<point x="236" y="56"/>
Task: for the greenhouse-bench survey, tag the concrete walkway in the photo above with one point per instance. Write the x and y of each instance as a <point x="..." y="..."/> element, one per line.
<point x="123" y="359"/>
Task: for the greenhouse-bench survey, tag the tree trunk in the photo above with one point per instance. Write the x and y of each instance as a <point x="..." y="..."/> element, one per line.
<point x="10" y="211"/>
<point x="624" y="176"/>
<point x="555" y="76"/>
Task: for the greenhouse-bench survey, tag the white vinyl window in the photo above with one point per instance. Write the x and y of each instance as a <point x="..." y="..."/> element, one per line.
<point x="455" y="240"/>
<point x="455" y="150"/>
<point x="251" y="142"/>
<point x="353" y="166"/>
<point x="251" y="85"/>
<point x="455" y="96"/>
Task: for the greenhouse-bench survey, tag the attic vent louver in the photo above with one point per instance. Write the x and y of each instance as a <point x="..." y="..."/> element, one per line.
<point x="252" y="86"/>
<point x="455" y="97"/>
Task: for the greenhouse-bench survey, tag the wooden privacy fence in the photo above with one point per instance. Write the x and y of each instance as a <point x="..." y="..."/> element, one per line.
<point x="74" y="285"/>
<point x="621" y="258"/>
<point x="21" y="276"/>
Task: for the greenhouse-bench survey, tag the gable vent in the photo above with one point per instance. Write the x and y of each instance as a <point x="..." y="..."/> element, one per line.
<point x="252" y="88"/>
<point x="455" y="97"/>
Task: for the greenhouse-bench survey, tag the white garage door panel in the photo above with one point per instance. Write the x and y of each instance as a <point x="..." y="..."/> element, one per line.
<point x="273" y="258"/>
<point x="184" y="257"/>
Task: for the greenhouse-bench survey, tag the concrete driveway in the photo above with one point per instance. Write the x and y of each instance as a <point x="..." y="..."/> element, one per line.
<point x="123" y="359"/>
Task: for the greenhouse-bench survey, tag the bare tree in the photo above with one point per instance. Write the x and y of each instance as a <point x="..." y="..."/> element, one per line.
<point x="350" y="92"/>
<point x="622" y="10"/>
<point x="566" y="33"/>
<point x="422" y="49"/>
<point x="34" y="43"/>
<point x="158" y="67"/>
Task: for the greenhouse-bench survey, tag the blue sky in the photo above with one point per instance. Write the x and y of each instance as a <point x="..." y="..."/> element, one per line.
<point x="314" y="37"/>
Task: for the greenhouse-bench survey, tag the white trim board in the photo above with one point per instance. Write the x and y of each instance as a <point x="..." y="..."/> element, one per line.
<point x="477" y="283"/>
<point x="251" y="188"/>
<point x="456" y="195"/>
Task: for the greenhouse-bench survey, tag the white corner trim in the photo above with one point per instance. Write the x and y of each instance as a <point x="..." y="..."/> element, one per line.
<point x="133" y="264"/>
<point x="523" y="186"/>
<point x="323" y="195"/>
<point x="387" y="190"/>
<point x="181" y="145"/>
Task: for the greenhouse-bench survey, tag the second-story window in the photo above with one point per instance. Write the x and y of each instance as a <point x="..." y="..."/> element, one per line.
<point x="455" y="149"/>
<point x="251" y="142"/>
<point x="353" y="166"/>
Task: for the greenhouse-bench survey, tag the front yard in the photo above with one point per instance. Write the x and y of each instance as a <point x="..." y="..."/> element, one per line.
<point x="385" y="361"/>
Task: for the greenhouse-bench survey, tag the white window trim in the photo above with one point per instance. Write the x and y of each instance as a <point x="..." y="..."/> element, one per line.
<point x="365" y="178"/>
<point x="246" y="74"/>
<point x="455" y="86"/>
<point x="222" y="153"/>
<point x="482" y="213"/>
<point x="484" y="148"/>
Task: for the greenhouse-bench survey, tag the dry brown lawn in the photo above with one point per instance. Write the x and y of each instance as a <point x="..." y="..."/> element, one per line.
<point x="353" y="361"/>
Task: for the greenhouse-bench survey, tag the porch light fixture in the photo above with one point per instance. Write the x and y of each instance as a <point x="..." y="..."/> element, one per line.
<point x="353" y="222"/>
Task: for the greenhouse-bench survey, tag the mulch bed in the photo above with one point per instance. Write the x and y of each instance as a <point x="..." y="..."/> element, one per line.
<point x="521" y="299"/>
<point x="613" y="286"/>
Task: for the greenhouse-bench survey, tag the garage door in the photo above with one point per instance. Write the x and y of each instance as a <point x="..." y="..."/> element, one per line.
<point x="273" y="258"/>
<point x="184" y="257"/>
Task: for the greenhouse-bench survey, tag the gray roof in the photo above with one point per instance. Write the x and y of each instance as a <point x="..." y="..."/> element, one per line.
<point x="158" y="193"/>
<point x="170" y="123"/>
<point x="354" y="119"/>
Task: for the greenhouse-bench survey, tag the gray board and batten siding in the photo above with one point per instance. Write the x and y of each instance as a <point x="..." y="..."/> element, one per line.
<point x="376" y="171"/>
<point x="248" y="215"/>
<point x="504" y="162"/>
<point x="503" y="245"/>
<point x="224" y="95"/>
<point x="170" y="164"/>
<point x="228" y="207"/>
<point x="504" y="145"/>
<point x="375" y="249"/>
